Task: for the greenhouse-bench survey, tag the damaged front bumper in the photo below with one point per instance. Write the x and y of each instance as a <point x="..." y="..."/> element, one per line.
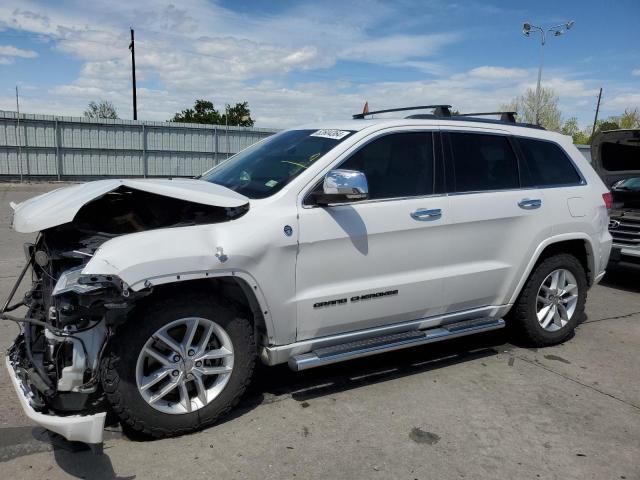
<point x="54" y="362"/>
<point x="80" y="428"/>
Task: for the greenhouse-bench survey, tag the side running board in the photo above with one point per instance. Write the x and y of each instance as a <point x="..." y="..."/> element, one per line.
<point x="388" y="343"/>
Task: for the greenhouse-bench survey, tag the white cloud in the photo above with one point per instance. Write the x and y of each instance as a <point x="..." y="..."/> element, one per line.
<point x="8" y="53"/>
<point x="487" y="72"/>
<point x="621" y="100"/>
<point x="635" y="72"/>
<point x="395" y="48"/>
<point x="11" y="51"/>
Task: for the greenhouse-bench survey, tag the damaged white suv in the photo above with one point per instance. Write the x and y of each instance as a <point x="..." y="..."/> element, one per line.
<point x="154" y="298"/>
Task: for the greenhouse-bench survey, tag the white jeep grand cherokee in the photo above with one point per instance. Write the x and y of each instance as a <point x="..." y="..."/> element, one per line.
<point x="319" y="244"/>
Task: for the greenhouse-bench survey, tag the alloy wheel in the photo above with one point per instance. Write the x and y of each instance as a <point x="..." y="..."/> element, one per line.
<point x="185" y="365"/>
<point x="557" y="300"/>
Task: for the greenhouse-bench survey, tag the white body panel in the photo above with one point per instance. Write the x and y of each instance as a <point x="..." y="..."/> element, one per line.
<point x="374" y="247"/>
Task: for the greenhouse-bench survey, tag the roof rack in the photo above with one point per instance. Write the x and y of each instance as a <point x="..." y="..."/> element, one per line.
<point x="508" y="117"/>
<point x="438" y="111"/>
<point x="444" y="112"/>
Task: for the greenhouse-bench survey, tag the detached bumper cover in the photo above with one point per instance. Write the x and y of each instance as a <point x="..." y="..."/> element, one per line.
<point x="77" y="428"/>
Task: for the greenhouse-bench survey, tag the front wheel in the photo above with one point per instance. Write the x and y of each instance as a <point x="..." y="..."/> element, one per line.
<point x="179" y="365"/>
<point x="552" y="301"/>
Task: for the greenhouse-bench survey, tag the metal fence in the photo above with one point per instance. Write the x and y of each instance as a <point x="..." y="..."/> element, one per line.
<point x="46" y="146"/>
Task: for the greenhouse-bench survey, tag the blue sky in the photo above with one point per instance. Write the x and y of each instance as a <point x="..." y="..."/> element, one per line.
<point x="300" y="61"/>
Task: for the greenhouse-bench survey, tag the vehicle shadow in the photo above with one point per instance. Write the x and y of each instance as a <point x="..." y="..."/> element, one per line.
<point x="74" y="458"/>
<point x="80" y="462"/>
<point x="272" y="384"/>
<point x="622" y="277"/>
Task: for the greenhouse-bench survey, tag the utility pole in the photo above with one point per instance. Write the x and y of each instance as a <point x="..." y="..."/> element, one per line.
<point x="595" y="120"/>
<point x="18" y="137"/>
<point x="226" y="120"/>
<point x="132" y="47"/>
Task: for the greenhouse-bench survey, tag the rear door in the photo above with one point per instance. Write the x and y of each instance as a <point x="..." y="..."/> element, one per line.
<point x="493" y="219"/>
<point x="375" y="262"/>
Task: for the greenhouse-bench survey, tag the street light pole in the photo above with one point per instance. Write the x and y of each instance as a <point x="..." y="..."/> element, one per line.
<point x="542" y="43"/>
<point x="557" y="30"/>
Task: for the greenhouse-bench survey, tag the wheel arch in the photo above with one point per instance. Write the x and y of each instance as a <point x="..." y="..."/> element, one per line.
<point x="578" y="245"/>
<point x="241" y="290"/>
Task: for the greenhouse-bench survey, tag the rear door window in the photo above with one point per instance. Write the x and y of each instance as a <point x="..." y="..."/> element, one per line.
<point x="481" y="162"/>
<point x="547" y="164"/>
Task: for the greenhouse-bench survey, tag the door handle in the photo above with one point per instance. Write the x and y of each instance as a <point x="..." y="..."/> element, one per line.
<point x="530" y="203"/>
<point x="424" y="214"/>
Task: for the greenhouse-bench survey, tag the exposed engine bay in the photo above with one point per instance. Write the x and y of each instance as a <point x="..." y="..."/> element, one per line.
<point x="70" y="317"/>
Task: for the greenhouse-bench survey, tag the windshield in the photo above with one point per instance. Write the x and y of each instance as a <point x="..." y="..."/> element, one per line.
<point x="266" y="167"/>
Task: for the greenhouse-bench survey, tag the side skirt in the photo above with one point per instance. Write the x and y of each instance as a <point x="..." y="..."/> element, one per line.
<point x="273" y="355"/>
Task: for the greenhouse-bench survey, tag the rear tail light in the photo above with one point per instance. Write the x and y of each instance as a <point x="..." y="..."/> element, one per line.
<point x="608" y="200"/>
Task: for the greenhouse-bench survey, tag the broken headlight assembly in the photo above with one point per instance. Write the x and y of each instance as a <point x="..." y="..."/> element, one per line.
<point x="69" y="281"/>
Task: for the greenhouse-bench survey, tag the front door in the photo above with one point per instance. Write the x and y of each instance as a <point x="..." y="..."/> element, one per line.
<point x="375" y="262"/>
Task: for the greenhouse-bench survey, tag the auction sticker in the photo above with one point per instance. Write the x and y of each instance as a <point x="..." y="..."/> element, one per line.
<point x="328" y="133"/>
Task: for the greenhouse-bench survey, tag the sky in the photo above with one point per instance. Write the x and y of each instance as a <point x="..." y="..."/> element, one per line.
<point x="298" y="62"/>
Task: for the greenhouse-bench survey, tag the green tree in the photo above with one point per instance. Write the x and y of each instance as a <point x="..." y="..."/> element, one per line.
<point x="571" y="127"/>
<point x="608" y="124"/>
<point x="204" y="111"/>
<point x="629" y="119"/>
<point x="101" y="109"/>
<point x="525" y="105"/>
<point x="239" y="115"/>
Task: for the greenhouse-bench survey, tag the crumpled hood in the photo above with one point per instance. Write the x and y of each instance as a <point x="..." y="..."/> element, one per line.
<point x="61" y="206"/>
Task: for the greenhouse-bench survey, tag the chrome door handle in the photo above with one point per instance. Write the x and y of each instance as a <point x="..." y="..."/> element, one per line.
<point x="423" y="214"/>
<point x="530" y="203"/>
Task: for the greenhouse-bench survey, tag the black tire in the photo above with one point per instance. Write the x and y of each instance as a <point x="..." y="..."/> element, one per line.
<point x="522" y="319"/>
<point x="118" y="372"/>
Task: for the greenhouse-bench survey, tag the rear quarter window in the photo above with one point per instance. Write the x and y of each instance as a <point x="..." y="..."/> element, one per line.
<point x="547" y="164"/>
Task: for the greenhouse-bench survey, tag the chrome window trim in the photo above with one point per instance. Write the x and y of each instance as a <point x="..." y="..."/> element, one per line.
<point x="453" y="194"/>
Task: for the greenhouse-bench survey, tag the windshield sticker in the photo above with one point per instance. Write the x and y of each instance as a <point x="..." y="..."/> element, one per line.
<point x="327" y="133"/>
<point x="271" y="183"/>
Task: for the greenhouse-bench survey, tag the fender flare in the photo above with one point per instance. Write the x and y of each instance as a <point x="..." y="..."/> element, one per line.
<point x="551" y="241"/>
<point x="252" y="288"/>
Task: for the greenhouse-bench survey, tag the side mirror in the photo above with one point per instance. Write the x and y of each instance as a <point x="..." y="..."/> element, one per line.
<point x="341" y="186"/>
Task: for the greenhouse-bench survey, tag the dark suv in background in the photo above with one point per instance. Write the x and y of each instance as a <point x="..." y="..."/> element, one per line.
<point x="615" y="156"/>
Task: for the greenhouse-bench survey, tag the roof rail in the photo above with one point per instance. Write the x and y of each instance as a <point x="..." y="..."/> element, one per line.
<point x="509" y="117"/>
<point x="438" y="110"/>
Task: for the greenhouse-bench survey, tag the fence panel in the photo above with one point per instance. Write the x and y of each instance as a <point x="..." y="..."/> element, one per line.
<point x="59" y="147"/>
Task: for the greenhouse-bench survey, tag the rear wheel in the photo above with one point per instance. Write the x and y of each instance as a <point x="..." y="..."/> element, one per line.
<point x="179" y="366"/>
<point x="552" y="301"/>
